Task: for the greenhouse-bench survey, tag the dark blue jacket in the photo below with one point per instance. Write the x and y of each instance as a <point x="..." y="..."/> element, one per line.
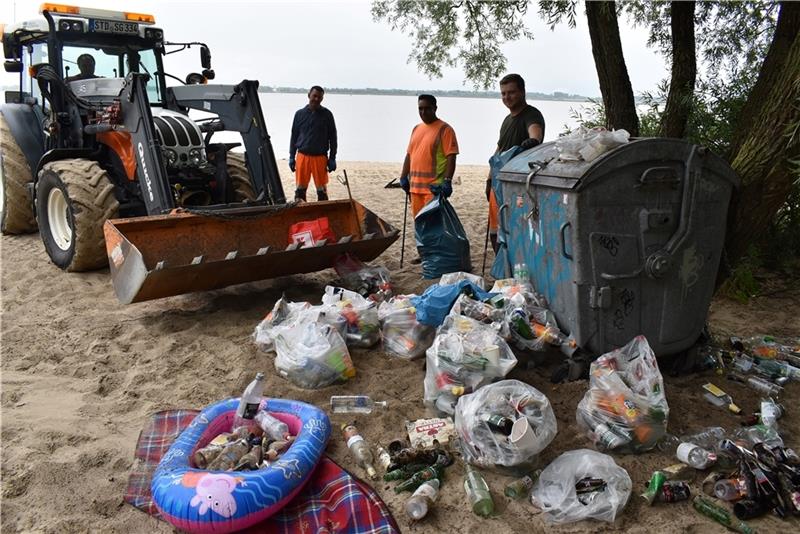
<point x="313" y="133"/>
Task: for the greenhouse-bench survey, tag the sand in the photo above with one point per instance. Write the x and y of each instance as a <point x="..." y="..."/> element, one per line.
<point x="82" y="373"/>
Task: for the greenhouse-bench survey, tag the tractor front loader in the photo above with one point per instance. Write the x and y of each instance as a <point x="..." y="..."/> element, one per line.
<point x="113" y="170"/>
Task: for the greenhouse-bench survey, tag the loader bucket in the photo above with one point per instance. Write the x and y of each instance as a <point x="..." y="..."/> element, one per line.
<point x="163" y="255"/>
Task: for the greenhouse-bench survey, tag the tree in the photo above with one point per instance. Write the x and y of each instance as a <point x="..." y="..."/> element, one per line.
<point x="760" y="130"/>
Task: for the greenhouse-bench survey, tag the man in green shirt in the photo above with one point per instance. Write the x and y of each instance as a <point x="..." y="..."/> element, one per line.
<point x="523" y="127"/>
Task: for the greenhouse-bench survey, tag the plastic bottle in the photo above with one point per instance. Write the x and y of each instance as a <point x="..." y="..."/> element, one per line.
<point x="770" y="413"/>
<point x="249" y="402"/>
<point x="355" y="404"/>
<point x="359" y="449"/>
<point x="420" y="477"/>
<point x="730" y="489"/>
<point x="720" y="515"/>
<point x="272" y="427"/>
<point x="707" y="438"/>
<point x="521" y="272"/>
<point x="695" y="456"/>
<point x="551" y="335"/>
<point x="423" y="498"/>
<point x="478" y="493"/>
<point x="764" y="387"/>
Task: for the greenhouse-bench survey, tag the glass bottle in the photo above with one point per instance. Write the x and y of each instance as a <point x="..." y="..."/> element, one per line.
<point x="355" y="404"/>
<point x="420" y="502"/>
<point x="359" y="449"/>
<point x="478" y="493"/>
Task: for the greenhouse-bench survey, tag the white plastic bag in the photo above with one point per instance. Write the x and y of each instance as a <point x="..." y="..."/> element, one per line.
<point x="465" y="355"/>
<point x="588" y="145"/>
<point x="486" y="445"/>
<point x="555" y="492"/>
<point x="402" y="334"/>
<point x="312" y="355"/>
<point x="454" y="278"/>
<point x="625" y="408"/>
<point x="283" y="313"/>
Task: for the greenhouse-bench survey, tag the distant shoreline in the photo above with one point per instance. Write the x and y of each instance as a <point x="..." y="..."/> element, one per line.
<point x="456" y="93"/>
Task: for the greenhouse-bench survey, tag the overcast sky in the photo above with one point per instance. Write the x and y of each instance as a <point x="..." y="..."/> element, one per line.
<point x="337" y="44"/>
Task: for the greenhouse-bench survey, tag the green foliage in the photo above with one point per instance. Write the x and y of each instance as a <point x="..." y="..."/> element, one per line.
<point x="742" y="284"/>
<point x="467" y="32"/>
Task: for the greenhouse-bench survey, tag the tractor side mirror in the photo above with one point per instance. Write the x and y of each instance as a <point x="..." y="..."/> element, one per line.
<point x="208" y="74"/>
<point x="205" y="57"/>
<point x="13" y="66"/>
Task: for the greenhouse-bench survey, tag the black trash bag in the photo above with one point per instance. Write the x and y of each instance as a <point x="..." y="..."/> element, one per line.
<point x="441" y="240"/>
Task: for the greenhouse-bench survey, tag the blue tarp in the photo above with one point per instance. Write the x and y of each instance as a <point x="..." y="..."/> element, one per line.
<point x="435" y="303"/>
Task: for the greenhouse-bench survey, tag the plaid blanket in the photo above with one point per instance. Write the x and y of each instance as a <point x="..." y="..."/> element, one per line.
<point x="331" y="501"/>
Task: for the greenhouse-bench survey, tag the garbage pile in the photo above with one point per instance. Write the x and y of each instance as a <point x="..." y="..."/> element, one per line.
<point x="368" y="281"/>
<point x="403" y="336"/>
<point x="625" y="409"/>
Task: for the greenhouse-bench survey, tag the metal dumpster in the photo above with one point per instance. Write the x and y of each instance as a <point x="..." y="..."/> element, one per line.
<point x="624" y="245"/>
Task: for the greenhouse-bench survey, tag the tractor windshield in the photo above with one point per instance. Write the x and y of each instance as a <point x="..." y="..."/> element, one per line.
<point x="82" y="63"/>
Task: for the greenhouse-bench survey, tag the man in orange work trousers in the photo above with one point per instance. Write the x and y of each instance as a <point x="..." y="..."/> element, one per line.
<point x="430" y="158"/>
<point x="313" y="135"/>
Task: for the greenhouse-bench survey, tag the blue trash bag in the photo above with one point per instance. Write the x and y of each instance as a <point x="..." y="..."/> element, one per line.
<point x="441" y="240"/>
<point x="501" y="268"/>
<point x="435" y="303"/>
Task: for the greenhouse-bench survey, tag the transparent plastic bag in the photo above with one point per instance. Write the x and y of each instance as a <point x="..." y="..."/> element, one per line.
<point x="483" y="421"/>
<point x="283" y="313"/>
<point x="454" y="278"/>
<point x="513" y="289"/>
<point x="312" y="355"/>
<point x="465" y="355"/>
<point x="402" y="334"/>
<point x="588" y="145"/>
<point x="556" y="494"/>
<point x="485" y="312"/>
<point x="368" y="281"/>
<point x="360" y="316"/>
<point x="625" y="409"/>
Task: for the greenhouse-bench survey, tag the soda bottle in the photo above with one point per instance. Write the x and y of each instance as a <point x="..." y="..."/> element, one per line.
<point x="730" y="489"/>
<point x="498" y="423"/>
<point x="249" y="402"/>
<point x="548" y="333"/>
<point x="418" y="478"/>
<point x="424" y="496"/>
<point x="478" y="493"/>
<point x="519" y="488"/>
<point x="697" y="457"/>
<point x="355" y="404"/>
<point x="720" y="515"/>
<point x="359" y="449"/>
<point x="272" y="426"/>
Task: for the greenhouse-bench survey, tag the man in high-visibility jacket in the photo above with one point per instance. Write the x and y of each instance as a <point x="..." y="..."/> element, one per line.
<point x="315" y="142"/>
<point x="430" y="158"/>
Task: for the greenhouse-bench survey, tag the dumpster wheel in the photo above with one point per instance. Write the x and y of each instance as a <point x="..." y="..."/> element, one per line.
<point x="576" y="367"/>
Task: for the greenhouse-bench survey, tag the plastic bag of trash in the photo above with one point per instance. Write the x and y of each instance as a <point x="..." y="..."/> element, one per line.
<point x="441" y="240"/>
<point x="465" y="355"/>
<point x="625" y="409"/>
<point x="510" y="287"/>
<point x="491" y="312"/>
<point x="312" y="355"/>
<point x="588" y="145"/>
<point x="582" y="484"/>
<point x="402" y="334"/>
<point x="506" y="423"/>
<point x="454" y="278"/>
<point x="368" y="281"/>
<point x="436" y="301"/>
<point x="360" y="315"/>
<point x="283" y="313"/>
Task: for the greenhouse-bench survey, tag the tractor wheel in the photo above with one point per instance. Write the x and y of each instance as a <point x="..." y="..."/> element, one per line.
<point x="17" y="215"/>
<point x="243" y="189"/>
<point x="74" y="197"/>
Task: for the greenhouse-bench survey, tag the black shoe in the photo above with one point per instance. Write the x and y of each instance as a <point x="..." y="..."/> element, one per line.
<point x="322" y="194"/>
<point x="300" y="194"/>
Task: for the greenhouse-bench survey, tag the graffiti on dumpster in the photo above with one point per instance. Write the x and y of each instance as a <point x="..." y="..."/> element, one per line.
<point x="689" y="272"/>
<point x="625" y="308"/>
<point x="610" y="243"/>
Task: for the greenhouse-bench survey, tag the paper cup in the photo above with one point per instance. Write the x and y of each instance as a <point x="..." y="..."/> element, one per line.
<point x="492" y="355"/>
<point x="522" y="435"/>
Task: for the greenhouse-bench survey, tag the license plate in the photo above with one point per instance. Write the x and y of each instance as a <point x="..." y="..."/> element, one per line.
<point x="113" y="26"/>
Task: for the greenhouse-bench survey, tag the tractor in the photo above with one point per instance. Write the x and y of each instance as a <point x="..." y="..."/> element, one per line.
<point x="104" y="158"/>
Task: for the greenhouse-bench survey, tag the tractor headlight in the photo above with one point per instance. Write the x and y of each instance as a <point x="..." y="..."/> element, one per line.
<point x="196" y="157"/>
<point x="171" y="156"/>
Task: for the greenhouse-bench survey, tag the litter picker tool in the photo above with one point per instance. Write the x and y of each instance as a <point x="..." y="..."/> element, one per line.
<point x="485" y="247"/>
<point x="346" y="182"/>
<point x="403" y="240"/>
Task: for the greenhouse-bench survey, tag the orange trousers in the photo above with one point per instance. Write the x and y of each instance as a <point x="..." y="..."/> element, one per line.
<point x="308" y="166"/>
<point x="493" y="220"/>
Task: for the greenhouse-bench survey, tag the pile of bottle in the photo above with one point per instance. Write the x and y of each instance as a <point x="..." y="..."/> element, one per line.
<point x="402" y="334"/>
<point x="360" y="316"/>
<point x="369" y="282"/>
<point x="257" y="440"/>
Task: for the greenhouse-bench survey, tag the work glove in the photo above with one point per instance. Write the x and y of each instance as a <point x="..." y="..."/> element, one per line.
<point x="529" y="143"/>
<point x="488" y="189"/>
<point x="405" y="184"/>
<point x="331" y="164"/>
<point x="445" y="189"/>
<point x="292" y="164"/>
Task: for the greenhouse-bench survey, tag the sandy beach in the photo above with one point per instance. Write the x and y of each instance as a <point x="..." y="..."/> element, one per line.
<point x="82" y="373"/>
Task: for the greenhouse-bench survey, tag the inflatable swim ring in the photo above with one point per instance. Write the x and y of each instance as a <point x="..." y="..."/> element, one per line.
<point x="202" y="501"/>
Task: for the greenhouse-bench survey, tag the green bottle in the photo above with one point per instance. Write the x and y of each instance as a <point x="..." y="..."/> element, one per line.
<point x="720" y="515"/>
<point x="519" y="320"/>
<point x="519" y="488"/>
<point x="404" y="472"/>
<point x="418" y="478"/>
<point x="478" y="493"/>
